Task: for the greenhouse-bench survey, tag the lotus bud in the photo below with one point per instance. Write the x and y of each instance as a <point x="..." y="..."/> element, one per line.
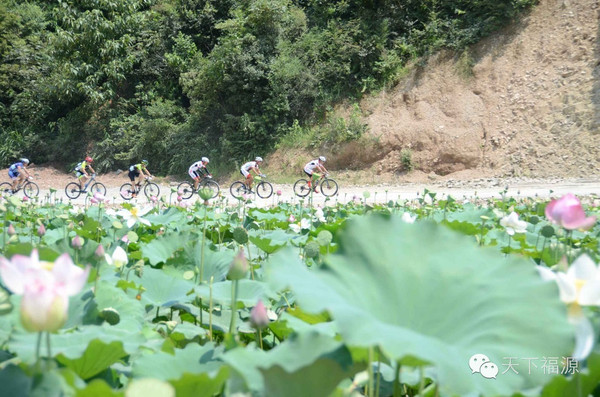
<point x="11" y="230"/>
<point x="258" y="316"/>
<point x="41" y="230"/>
<point x="77" y="242"/>
<point x="279" y="192"/>
<point x="179" y="198"/>
<point x="238" y="267"/>
<point x="99" y="251"/>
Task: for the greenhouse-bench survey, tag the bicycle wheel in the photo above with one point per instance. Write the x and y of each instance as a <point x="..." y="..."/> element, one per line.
<point x="151" y="190"/>
<point x="329" y="187"/>
<point x="212" y="185"/>
<point x="127" y="190"/>
<point x="98" y="188"/>
<point x="31" y="189"/>
<point x="301" y="188"/>
<point x="237" y="189"/>
<point x="264" y="189"/>
<point x="185" y="190"/>
<point x="72" y="190"/>
<point x="5" y="188"/>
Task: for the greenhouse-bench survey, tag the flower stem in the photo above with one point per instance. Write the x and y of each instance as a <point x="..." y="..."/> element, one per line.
<point x="210" y="307"/>
<point x="202" y="249"/>
<point x="234" y="288"/>
<point x="38" y="345"/>
<point x="260" y="339"/>
<point x="49" y="351"/>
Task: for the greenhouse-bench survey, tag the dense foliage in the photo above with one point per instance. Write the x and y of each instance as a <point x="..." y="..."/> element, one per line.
<point x="171" y="80"/>
<point x="390" y="298"/>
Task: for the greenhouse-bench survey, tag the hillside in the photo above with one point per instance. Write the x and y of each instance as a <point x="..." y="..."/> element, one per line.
<point x="523" y="102"/>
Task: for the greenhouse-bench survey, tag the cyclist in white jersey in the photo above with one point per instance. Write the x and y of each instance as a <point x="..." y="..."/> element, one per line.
<point x="198" y="170"/>
<point x="318" y="165"/>
<point x="251" y="166"/>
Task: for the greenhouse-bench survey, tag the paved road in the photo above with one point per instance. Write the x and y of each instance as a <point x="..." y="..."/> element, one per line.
<point x="383" y="193"/>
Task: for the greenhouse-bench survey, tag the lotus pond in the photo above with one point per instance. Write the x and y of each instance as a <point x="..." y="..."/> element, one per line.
<point x="431" y="297"/>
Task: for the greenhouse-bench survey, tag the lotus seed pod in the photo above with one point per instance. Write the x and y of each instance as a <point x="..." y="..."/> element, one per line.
<point x="311" y="249"/>
<point x="205" y="193"/>
<point x="240" y="235"/>
<point x="110" y="315"/>
<point x="324" y="237"/>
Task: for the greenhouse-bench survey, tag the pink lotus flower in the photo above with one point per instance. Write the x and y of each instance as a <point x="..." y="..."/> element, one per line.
<point x="279" y="192"/>
<point x="25" y="198"/>
<point x="154" y="199"/>
<point x="99" y="197"/>
<point x="45" y="287"/>
<point x="179" y="198"/>
<point x="568" y="213"/>
<point x="292" y="219"/>
<point x="258" y="316"/>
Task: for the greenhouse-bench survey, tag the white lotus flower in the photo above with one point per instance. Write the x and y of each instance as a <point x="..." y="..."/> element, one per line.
<point x="319" y="215"/>
<point x="134" y="215"/>
<point x="512" y="224"/>
<point x="303" y="224"/>
<point x="579" y="286"/>
<point x="408" y="218"/>
<point x="118" y="258"/>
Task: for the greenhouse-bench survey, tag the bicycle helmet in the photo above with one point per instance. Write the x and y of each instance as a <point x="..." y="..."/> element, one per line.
<point x="258" y="158"/>
<point x="322" y="158"/>
<point x="24" y="160"/>
<point x="205" y="160"/>
<point x="88" y="159"/>
<point x="145" y="162"/>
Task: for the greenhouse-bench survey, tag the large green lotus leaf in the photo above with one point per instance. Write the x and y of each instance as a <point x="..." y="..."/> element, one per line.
<point x="163" y="289"/>
<point x="201" y="385"/>
<point x="97" y="357"/>
<point x="216" y="263"/>
<point x="271" y="241"/>
<point x="300" y="363"/>
<point x="98" y="388"/>
<point x="422" y="291"/>
<point x="130" y="310"/>
<point x="73" y="344"/>
<point x="162" y="248"/>
<point x="193" y="359"/>
<point x="170" y="215"/>
<point x="15" y="383"/>
<point x="249" y="292"/>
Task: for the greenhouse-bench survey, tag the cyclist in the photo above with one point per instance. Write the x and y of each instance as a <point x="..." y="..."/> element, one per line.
<point x="199" y="170"/>
<point x="81" y="171"/>
<point x="139" y="170"/>
<point x="248" y="167"/>
<point x="311" y="166"/>
<point x="15" y="174"/>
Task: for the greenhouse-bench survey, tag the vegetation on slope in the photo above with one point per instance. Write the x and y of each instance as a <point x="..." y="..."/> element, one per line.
<point x="171" y="80"/>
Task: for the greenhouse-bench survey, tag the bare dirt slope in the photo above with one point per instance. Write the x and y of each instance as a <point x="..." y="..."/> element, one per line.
<point x="524" y="102"/>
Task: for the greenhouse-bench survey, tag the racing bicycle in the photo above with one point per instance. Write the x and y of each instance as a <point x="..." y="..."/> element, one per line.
<point x="186" y="189"/>
<point x="73" y="190"/>
<point x="327" y="186"/>
<point x="30" y="188"/>
<point x="263" y="188"/>
<point x="128" y="190"/>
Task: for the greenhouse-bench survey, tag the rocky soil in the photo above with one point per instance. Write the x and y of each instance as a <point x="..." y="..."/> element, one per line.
<point x="524" y="102"/>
